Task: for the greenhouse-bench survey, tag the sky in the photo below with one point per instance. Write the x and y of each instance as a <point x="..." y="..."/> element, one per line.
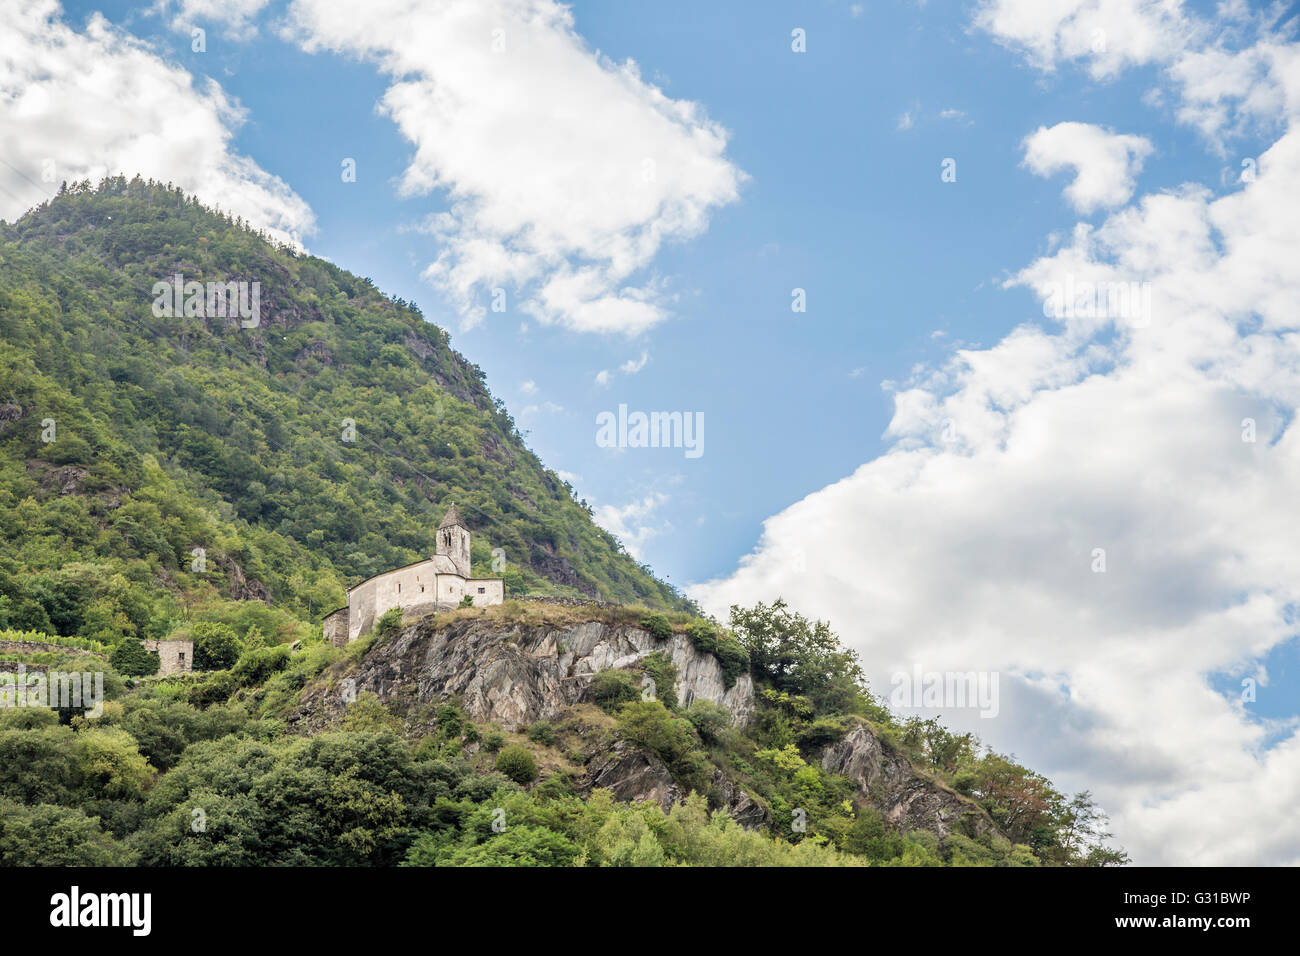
<point x="856" y="241"/>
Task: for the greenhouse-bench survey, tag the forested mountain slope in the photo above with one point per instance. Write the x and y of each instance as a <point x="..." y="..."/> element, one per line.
<point x="300" y="455"/>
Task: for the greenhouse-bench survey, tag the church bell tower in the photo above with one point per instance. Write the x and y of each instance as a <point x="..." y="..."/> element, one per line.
<point x="453" y="541"/>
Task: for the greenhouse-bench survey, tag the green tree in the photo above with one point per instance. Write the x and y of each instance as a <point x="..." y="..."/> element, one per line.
<point x="215" y="646"/>
<point x="131" y="658"/>
<point x="517" y="763"/>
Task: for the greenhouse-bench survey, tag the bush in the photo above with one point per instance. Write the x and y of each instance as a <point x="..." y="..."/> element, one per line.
<point x="658" y="626"/>
<point x="493" y="741"/>
<point x="731" y="654"/>
<point x="389" y="624"/>
<point x="517" y="763"/>
<point x="467" y="601"/>
<point x="542" y="733"/>
<point x="708" y="719"/>
<point x="216" y="647"/>
<point x="259" y="664"/>
<point x="131" y="658"/>
<point x="612" y="688"/>
<point x="660" y="669"/>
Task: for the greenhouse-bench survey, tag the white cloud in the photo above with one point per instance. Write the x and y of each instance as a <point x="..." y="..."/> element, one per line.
<point x="1109" y="34"/>
<point x="632" y="366"/>
<point x="235" y="16"/>
<point x="566" y="172"/>
<point x="906" y="121"/>
<point x="83" y="105"/>
<point x="634" y="523"/>
<point x="550" y="408"/>
<point x="969" y="544"/>
<point x="1105" y="163"/>
<point x="604" y="377"/>
<point x="528" y="388"/>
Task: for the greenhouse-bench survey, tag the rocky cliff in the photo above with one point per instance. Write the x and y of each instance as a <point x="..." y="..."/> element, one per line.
<point x="908" y="799"/>
<point x="515" y="675"/>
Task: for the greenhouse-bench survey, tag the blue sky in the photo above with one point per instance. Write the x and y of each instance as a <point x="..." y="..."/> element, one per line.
<point x="921" y="456"/>
<point x="840" y="202"/>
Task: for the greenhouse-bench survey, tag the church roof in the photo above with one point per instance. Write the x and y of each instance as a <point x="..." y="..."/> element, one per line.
<point x="452" y="517"/>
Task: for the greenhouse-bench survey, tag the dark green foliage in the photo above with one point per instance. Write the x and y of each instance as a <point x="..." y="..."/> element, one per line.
<point x="650" y="724"/>
<point x="389" y="624"/>
<point x="799" y="656"/>
<point x="49" y="835"/>
<point x="517" y="763"/>
<point x="197" y="464"/>
<point x="215" y="646"/>
<point x="542" y="733"/>
<point x="612" y="688"/>
<point x="708" y="719"/>
<point x="131" y="658"/>
<point x="731" y="653"/>
<point x="658" y="626"/>
<point x="659" y="668"/>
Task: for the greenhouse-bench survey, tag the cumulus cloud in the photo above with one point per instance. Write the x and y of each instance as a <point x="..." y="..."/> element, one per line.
<point x="235" y="17"/>
<point x="83" y="105"/>
<point x="1108" y="34"/>
<point x="634" y="523"/>
<point x="565" y="172"/>
<point x="1159" y="447"/>
<point x="1105" y="163"/>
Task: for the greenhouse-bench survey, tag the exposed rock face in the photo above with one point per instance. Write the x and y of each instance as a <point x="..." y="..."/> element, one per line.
<point x="633" y="775"/>
<point x="516" y="676"/>
<point x="908" y="800"/>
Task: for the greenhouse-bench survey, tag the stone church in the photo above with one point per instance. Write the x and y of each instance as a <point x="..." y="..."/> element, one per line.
<point x="436" y="584"/>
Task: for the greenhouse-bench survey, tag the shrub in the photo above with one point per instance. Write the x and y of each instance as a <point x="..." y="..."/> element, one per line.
<point x="259" y="664"/>
<point x="493" y="741"/>
<point x="660" y="669"/>
<point x="731" y="654"/>
<point x="517" y="763"/>
<point x="611" y="688"/>
<point x="822" y="731"/>
<point x="215" y="646"/>
<point x="658" y="626"/>
<point x="131" y="658"/>
<point x="467" y="601"/>
<point x="389" y="624"/>
<point x="542" y="733"/>
<point x="708" y="719"/>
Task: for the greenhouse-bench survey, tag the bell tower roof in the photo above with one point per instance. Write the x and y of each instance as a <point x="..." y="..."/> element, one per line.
<point x="451" y="518"/>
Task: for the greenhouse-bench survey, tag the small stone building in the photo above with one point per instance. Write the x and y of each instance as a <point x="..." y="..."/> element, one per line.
<point x="435" y="584"/>
<point x="176" y="657"/>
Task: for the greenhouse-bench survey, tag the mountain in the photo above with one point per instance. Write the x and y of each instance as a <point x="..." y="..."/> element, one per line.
<point x="176" y="472"/>
<point x="154" y="467"/>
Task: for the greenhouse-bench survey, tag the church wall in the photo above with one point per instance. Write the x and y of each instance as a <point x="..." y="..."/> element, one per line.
<point x="401" y="588"/>
<point x="494" y="591"/>
<point x="451" y="588"/>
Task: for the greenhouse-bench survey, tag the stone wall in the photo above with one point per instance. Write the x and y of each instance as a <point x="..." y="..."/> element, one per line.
<point x="335" y="627"/>
<point x="37" y="647"/>
<point x="177" y="657"/>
